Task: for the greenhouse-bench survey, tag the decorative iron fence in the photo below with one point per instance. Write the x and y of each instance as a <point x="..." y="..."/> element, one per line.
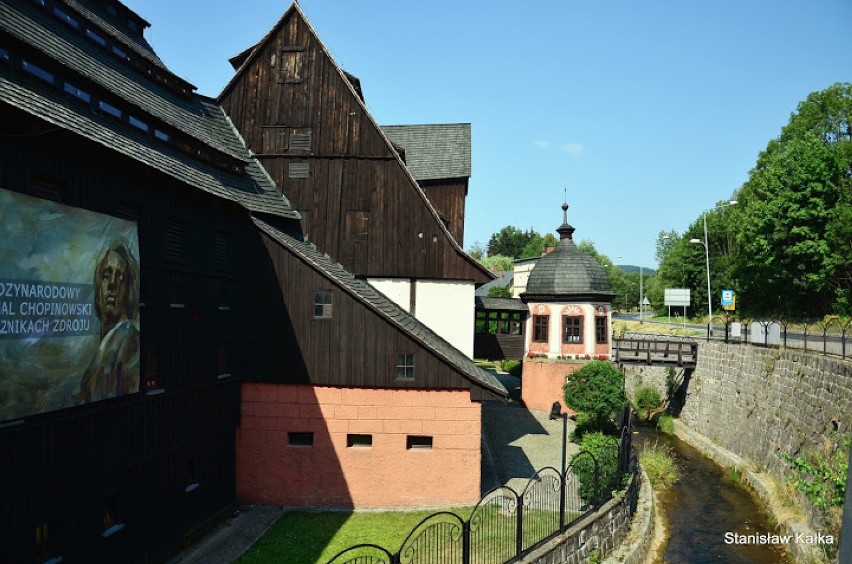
<point x="506" y="524"/>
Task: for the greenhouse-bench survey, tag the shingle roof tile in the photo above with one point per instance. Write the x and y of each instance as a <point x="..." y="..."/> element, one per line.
<point x="433" y="151"/>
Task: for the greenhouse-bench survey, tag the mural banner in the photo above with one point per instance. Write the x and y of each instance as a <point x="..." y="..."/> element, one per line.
<point x="69" y="306"/>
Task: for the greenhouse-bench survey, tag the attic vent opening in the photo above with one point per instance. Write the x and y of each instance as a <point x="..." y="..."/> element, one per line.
<point x="221" y="252"/>
<point x="175" y="234"/>
<point x="298" y="170"/>
<point x="300" y="142"/>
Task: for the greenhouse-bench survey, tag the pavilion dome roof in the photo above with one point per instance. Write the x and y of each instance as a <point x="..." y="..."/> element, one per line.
<point x="568" y="273"/>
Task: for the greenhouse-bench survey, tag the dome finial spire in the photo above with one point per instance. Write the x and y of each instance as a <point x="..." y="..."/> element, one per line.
<point x="565" y="231"/>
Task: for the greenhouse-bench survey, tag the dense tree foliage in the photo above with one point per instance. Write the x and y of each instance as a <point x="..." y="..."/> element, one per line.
<point x="597" y="390"/>
<point x="786" y="247"/>
<point x="509" y="241"/>
<point x="499" y="292"/>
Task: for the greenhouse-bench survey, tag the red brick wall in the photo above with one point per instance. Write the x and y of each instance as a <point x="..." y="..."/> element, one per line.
<point x="331" y="474"/>
<point x="542" y="383"/>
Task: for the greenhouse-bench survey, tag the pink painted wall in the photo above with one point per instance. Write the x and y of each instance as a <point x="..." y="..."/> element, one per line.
<point x="330" y="474"/>
<point x="542" y="383"/>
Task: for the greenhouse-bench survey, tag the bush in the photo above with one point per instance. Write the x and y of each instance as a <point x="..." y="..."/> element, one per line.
<point x="647" y="399"/>
<point x="597" y="389"/>
<point x="586" y="423"/>
<point x="665" y="423"/>
<point x="658" y="462"/>
<point x="513" y="367"/>
<point x="605" y="450"/>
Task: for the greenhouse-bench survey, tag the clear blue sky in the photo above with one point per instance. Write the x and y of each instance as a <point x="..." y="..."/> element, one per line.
<point x="648" y="112"/>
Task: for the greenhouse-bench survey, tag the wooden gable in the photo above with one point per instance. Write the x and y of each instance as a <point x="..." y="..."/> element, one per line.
<point x="309" y="127"/>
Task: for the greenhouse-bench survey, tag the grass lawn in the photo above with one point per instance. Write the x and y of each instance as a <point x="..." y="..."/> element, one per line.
<point x="308" y="537"/>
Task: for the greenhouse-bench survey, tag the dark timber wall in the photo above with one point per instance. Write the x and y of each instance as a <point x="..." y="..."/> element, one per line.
<point x="163" y="459"/>
<point x="308" y="127"/>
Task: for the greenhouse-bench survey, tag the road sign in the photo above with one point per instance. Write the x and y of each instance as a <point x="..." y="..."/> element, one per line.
<point x="677" y="297"/>
<point x="729" y="300"/>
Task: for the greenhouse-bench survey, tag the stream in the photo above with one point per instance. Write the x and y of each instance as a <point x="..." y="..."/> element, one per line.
<point x="704" y="505"/>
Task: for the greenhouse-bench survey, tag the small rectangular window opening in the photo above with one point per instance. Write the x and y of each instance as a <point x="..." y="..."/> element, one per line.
<point x="139" y="124"/>
<point x="151" y="369"/>
<point x="405" y="366"/>
<point x="162" y="136"/>
<point x="300" y="439"/>
<point x="67" y="18"/>
<point x="119" y="52"/>
<point x="109" y="109"/>
<point x="96" y="37"/>
<point x="323" y="304"/>
<point x="37" y="71"/>
<point x="359" y="441"/>
<point x="418" y="442"/>
<point x="77" y="93"/>
<point x="540" y="328"/>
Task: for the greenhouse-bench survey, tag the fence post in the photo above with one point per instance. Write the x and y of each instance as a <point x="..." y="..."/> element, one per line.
<point x="519" y="534"/>
<point x="466" y="542"/>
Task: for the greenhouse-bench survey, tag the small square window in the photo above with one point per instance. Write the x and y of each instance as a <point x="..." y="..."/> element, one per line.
<point x="359" y="441"/>
<point x="418" y="442"/>
<point x="300" y="439"/>
<point x="405" y="366"/>
<point x="323" y="304"/>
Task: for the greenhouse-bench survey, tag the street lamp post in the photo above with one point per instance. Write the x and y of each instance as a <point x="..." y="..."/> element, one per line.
<point x="706" y="244"/>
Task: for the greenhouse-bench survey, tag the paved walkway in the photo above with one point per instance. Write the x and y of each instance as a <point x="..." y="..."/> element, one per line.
<point x="517" y="442"/>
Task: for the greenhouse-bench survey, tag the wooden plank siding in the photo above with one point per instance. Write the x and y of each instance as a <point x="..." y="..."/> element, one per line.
<point x="58" y="467"/>
<point x="448" y="197"/>
<point x="352" y="167"/>
<point x="356" y="347"/>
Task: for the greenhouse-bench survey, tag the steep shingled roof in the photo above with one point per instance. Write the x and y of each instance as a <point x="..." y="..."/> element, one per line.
<point x="433" y="151"/>
<point x="387" y="309"/>
<point x="27" y="23"/>
<point x="34" y="27"/>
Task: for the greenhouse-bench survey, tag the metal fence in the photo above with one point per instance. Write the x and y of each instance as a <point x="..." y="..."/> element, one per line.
<point x="506" y="524"/>
<point x="829" y="336"/>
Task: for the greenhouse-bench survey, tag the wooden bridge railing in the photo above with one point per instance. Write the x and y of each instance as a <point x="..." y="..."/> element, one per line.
<point x="656" y="349"/>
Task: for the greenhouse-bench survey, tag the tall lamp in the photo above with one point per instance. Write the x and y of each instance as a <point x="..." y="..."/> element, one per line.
<point x="706" y="245"/>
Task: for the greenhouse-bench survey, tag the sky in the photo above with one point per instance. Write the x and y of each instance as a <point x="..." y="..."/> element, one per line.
<point x="646" y="112"/>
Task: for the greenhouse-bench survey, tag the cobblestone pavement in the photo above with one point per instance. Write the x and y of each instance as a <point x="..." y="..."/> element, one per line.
<point x="517" y="442"/>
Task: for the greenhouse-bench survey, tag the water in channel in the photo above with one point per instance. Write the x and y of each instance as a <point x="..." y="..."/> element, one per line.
<point x="705" y="504"/>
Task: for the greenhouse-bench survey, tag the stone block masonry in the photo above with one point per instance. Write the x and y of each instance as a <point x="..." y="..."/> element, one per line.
<point x="756" y="402"/>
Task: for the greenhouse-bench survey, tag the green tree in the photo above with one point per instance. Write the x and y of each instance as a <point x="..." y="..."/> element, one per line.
<point x="499" y="292"/>
<point x="509" y="241"/>
<point x="538" y="244"/>
<point x="501" y="262"/>
<point x="790" y="257"/>
<point x="597" y="390"/>
<point x="477" y="251"/>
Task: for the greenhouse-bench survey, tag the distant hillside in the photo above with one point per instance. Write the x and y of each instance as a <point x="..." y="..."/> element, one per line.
<point x="631" y="268"/>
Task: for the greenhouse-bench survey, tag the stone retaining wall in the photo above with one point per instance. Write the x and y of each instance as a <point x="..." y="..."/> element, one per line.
<point x="756" y="402"/>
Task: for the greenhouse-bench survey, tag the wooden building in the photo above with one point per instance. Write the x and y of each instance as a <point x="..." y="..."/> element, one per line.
<point x="438" y="156"/>
<point x="229" y="300"/>
<point x="306" y="121"/>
